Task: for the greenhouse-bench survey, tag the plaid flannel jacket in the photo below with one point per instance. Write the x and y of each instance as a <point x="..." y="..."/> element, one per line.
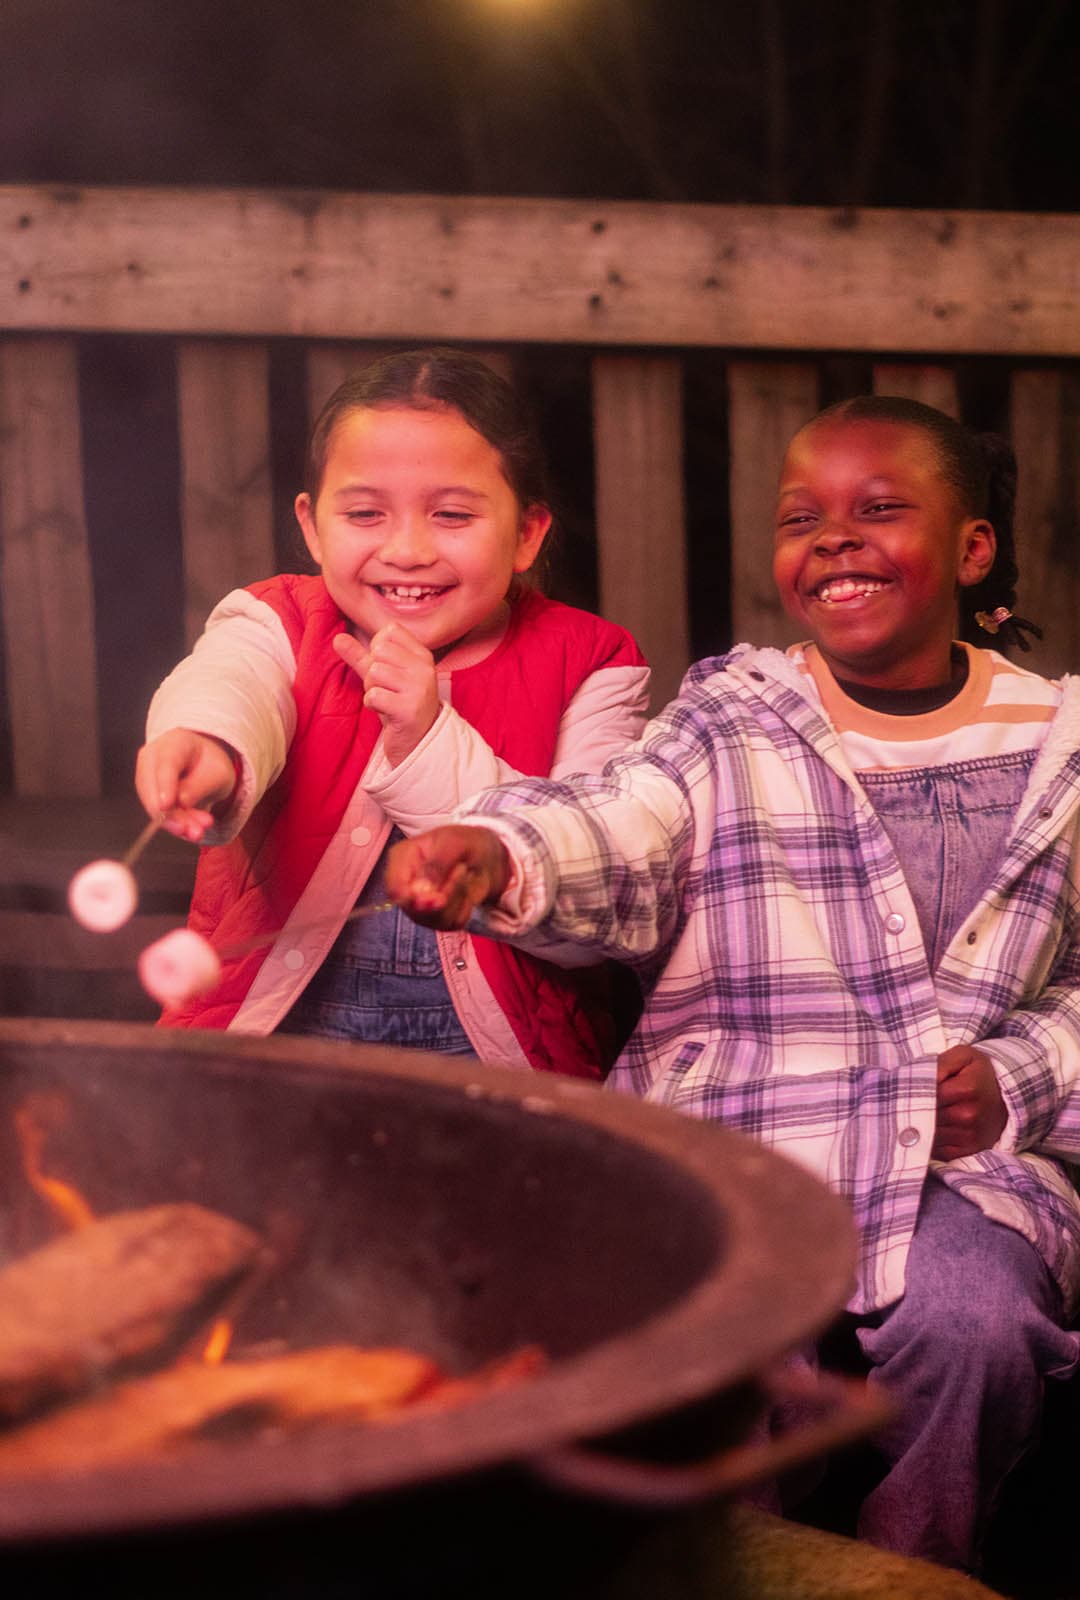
<point x="733" y="857"/>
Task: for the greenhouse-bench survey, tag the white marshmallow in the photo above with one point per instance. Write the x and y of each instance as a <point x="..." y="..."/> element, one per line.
<point x="179" y="966"/>
<point x="103" y="895"/>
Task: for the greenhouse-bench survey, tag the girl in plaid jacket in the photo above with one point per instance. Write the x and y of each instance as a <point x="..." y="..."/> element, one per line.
<point x="848" y="874"/>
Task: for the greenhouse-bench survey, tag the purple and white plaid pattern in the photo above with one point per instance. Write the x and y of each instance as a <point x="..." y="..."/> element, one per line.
<point x="733" y="857"/>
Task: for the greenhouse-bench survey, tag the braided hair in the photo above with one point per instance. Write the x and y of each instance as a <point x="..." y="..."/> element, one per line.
<point x="981" y="468"/>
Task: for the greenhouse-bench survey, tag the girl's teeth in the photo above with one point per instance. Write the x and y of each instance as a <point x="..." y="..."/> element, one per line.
<point x="847" y="589"/>
<point x="401" y="593"/>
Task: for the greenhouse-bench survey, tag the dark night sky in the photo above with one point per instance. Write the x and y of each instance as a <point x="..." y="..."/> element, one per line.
<point x="887" y="102"/>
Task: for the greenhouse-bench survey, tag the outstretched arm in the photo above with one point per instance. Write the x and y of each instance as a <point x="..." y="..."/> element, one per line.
<point x="235" y="688"/>
<point x="440" y="878"/>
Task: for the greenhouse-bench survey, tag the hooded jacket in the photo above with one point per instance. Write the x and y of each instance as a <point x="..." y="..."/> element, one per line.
<point x="735" y="858"/>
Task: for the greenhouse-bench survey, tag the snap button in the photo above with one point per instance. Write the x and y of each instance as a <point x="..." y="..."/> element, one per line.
<point x="361" y="835"/>
<point x="908" y="1137"/>
<point x="1046" y="814"/>
<point x="758" y="677"/>
<point x="972" y="936"/>
<point x="293" y="959"/>
<point x="894" y="922"/>
<point x="460" y="963"/>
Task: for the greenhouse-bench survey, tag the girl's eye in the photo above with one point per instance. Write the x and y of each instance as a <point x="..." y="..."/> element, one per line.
<point x="363" y="514"/>
<point x="453" y="519"/>
<point x="884" y="505"/>
<point x="795" y="521"/>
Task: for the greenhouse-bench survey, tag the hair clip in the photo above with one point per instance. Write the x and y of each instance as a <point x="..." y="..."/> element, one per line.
<point x="990" y="621"/>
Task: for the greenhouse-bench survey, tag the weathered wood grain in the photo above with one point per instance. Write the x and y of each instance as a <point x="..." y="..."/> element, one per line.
<point x="46" y="589"/>
<point x="365" y="266"/>
<point x="1045" y="430"/>
<point x="933" y="385"/>
<point x="227" y="512"/>
<point x="640" y="512"/>
<point x="767" y="403"/>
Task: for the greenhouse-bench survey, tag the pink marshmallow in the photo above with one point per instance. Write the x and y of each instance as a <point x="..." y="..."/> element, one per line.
<point x="178" y="967"/>
<point x="103" y="895"/>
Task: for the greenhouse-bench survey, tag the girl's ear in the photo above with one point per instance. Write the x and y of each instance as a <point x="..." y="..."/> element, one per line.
<point x="531" y="535"/>
<point x="977" y="551"/>
<point x="305" y="516"/>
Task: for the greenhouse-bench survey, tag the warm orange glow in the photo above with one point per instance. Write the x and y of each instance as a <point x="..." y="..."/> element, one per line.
<point x="218" y="1342"/>
<point x="34" y="1119"/>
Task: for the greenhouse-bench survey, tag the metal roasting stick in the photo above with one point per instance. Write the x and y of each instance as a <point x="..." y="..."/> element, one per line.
<point x="227" y="952"/>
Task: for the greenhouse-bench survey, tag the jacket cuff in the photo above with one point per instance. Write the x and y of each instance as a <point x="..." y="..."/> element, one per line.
<point x="1028" y="1087"/>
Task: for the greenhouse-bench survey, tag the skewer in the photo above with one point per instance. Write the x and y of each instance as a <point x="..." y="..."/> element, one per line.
<point x="229" y="951"/>
<point x="183" y="964"/>
<point x="134" y="851"/>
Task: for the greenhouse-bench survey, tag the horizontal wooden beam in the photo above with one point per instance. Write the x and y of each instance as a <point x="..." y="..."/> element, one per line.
<point x="421" y="267"/>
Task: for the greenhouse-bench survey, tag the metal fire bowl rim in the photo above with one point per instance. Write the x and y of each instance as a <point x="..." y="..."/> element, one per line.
<point x="786" y="1271"/>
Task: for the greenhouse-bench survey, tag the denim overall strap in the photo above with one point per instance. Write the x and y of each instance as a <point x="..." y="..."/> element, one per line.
<point x="948" y="826"/>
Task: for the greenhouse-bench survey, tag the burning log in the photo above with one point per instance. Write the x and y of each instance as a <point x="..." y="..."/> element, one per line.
<point x="144" y="1416"/>
<point x="119" y="1291"/>
<point x="190" y="1401"/>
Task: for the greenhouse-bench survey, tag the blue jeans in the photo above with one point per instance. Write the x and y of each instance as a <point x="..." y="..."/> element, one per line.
<point x="964" y="1355"/>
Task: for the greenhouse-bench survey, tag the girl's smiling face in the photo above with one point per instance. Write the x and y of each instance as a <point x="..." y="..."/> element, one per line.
<point x="416" y="523"/>
<point x="871" y="545"/>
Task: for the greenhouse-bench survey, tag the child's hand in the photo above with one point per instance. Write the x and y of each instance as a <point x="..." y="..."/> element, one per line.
<point x="970" y="1110"/>
<point x="184" y="774"/>
<point x="399" y="685"/>
<point x="439" y="878"/>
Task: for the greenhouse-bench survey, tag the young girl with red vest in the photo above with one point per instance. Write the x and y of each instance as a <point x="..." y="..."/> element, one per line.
<point x="318" y="718"/>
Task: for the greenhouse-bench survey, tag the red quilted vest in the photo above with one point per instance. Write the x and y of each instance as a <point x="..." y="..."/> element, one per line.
<point x="515" y="698"/>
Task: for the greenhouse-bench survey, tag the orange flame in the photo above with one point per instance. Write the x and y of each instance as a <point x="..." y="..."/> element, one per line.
<point x="218" y="1342"/>
<point x="34" y="1120"/>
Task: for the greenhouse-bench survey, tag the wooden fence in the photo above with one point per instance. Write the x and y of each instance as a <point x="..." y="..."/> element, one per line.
<point x="775" y="292"/>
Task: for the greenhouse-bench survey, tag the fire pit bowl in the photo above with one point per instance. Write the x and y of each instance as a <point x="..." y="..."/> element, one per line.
<point x="457" y="1209"/>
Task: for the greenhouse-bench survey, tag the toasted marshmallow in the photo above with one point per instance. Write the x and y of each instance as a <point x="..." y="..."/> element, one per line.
<point x="102" y="895"/>
<point x="178" y="967"/>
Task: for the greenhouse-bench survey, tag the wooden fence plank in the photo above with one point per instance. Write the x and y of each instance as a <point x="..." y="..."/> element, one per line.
<point x="45" y="576"/>
<point x="640" y="510"/>
<point x="933" y="385"/>
<point x="227" y="509"/>
<point x="1045" y="431"/>
<point x="364" y="266"/>
<point x="767" y="404"/>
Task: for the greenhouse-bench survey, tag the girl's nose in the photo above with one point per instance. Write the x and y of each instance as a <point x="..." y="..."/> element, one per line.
<point x="837" y="534"/>
<point x="408" y="542"/>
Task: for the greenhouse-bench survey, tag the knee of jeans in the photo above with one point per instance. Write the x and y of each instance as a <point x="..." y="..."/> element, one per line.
<point x="997" y="1335"/>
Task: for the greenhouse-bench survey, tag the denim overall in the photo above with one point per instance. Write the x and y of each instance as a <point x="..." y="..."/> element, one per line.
<point x="382" y="981"/>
